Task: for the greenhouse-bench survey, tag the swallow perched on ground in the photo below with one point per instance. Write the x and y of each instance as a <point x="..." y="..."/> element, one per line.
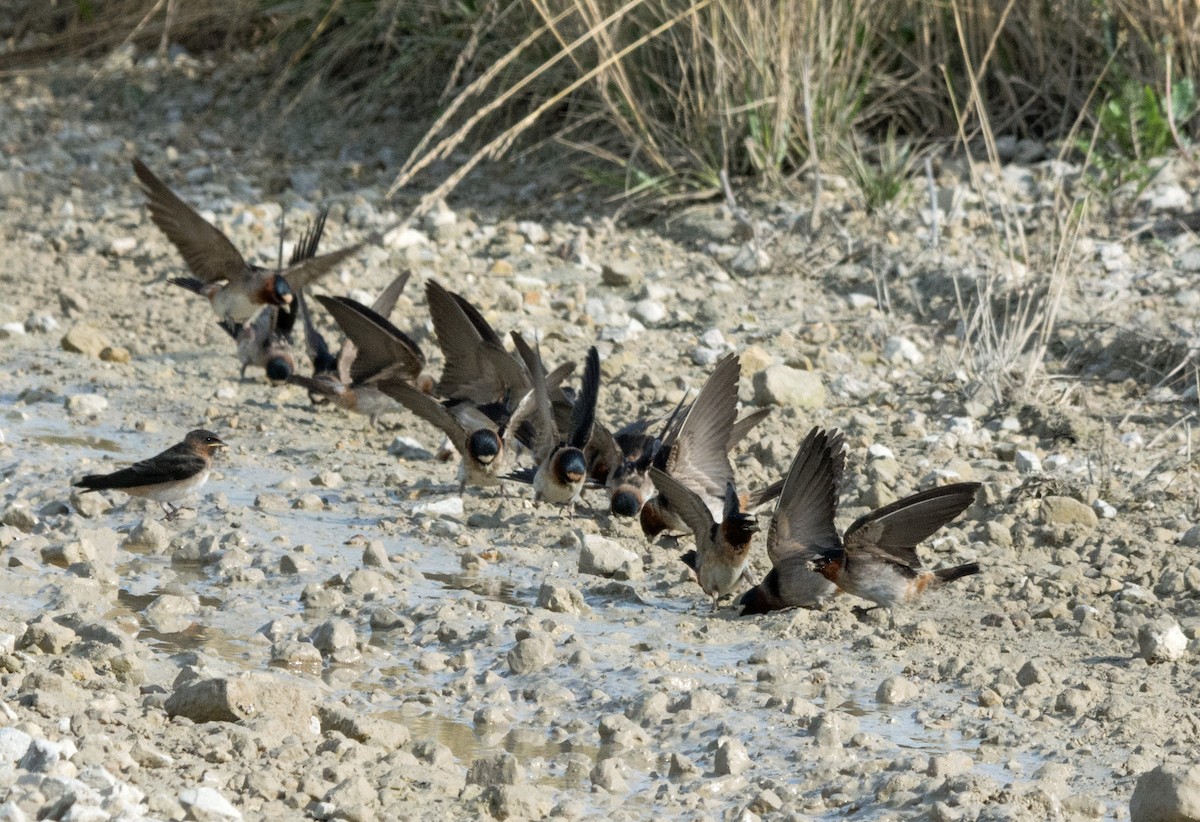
<point x="236" y="289"/>
<point x="722" y="548"/>
<point x="802" y="528"/>
<point x="166" y="477"/>
<point x="877" y="558"/>
<point x="561" y="465"/>
<point x="384" y="353"/>
<point x="335" y="370"/>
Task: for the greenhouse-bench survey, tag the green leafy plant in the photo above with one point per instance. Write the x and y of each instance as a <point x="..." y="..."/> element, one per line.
<point x="879" y="172"/>
<point x="1134" y="125"/>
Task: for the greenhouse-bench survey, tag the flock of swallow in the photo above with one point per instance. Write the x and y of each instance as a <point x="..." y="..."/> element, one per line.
<point x="495" y="405"/>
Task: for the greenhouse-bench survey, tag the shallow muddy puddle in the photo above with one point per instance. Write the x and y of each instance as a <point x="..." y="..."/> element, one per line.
<point x="690" y="647"/>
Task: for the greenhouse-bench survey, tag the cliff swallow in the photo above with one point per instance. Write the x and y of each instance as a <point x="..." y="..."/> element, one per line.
<point x="265" y="342"/>
<point x="722" y="548"/>
<point x="166" y="477"/>
<point x="475" y="366"/>
<point x="694" y="449"/>
<point x="335" y="370"/>
<point x="561" y="465"/>
<point x="634" y="449"/>
<point x="877" y="559"/>
<point x="384" y="353"/>
<point x="235" y="288"/>
<point x="802" y="528"/>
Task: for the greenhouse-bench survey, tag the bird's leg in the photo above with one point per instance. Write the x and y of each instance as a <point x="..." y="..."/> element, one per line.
<point x="171" y="510"/>
<point x="715" y="598"/>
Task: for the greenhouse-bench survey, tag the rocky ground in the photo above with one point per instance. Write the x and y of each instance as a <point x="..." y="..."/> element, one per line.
<point x="334" y="633"/>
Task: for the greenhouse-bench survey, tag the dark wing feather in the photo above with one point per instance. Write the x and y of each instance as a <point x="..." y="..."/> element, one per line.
<point x="381" y="346"/>
<point x="804" y="518"/>
<point x="208" y="253"/>
<point x="467" y="369"/>
<point x="428" y="409"/>
<point x="744" y="426"/>
<point x="306" y="249"/>
<point x="898" y="528"/>
<point x="699" y="458"/>
<point x="385" y="303"/>
<point x="546" y="438"/>
<point x="583" y="415"/>
<point x="318" y="350"/>
<point x="179" y="462"/>
<point x="302" y="274"/>
<point x="684" y="502"/>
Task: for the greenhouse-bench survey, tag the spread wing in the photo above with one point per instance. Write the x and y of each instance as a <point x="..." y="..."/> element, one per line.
<point x="684" y="502"/>
<point x="302" y="274"/>
<point x="428" y="409"/>
<point x="475" y="365"/>
<point x="208" y="253"/>
<point x="547" y="437"/>
<point x="699" y="458"/>
<point x="898" y="528"/>
<point x="384" y="304"/>
<point x="744" y="426"/>
<point x="803" y="520"/>
<point x="381" y="346"/>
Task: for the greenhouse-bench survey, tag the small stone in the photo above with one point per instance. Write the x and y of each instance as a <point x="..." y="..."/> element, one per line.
<point x="327" y="479"/>
<point x="84" y="339"/>
<point x="447" y="508"/>
<point x="1169" y="793"/>
<point x="731" y="758"/>
<point x="19" y="516"/>
<point x="149" y="535"/>
<point x="1162" y="641"/>
<point x="500" y="769"/>
<point x="681" y="767"/>
<point x="755" y="358"/>
<point x="120" y="246"/>
<point x="604" y="557"/>
<point x="560" y="598"/>
<point x="896" y="690"/>
<point x="368" y="729"/>
<point x="206" y="804"/>
<point x="249" y="696"/>
<point x="1027" y="462"/>
<point x="86" y="405"/>
<point x="949" y="764"/>
<point x="902" y="350"/>
<point x="519" y="802"/>
<point x="1191" y="537"/>
<point x="47" y="636"/>
<point x="1066" y="511"/>
<point x="406" y="448"/>
<point x="608" y="775"/>
<point x="116" y="354"/>
<point x="375" y="555"/>
<point x="620" y="273"/>
<point x="650" y="311"/>
<point x="531" y="654"/>
<point x="334" y="635"/>
<point x="13" y="745"/>
<point x="783" y="385"/>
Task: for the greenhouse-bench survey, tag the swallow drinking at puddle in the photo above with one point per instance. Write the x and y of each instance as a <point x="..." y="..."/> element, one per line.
<point x="875" y="558"/>
<point x="172" y="475"/>
<point x="722" y="548"/>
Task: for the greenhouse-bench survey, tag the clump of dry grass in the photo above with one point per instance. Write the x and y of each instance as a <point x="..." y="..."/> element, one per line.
<point x="668" y="96"/>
